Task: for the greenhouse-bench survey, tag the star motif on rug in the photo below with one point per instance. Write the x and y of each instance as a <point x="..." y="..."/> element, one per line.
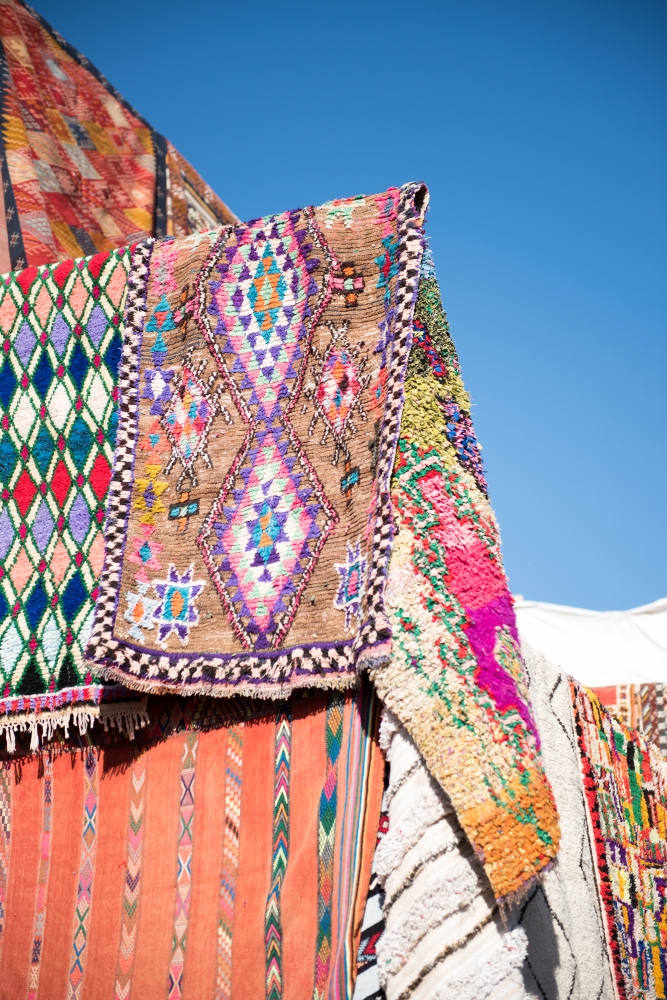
<point x="351" y="588"/>
<point x="336" y="383"/>
<point x="139" y="612"/>
<point x="188" y="419"/>
<point x="176" y="611"/>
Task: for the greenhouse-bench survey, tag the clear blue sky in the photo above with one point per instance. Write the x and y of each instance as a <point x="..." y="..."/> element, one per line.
<point x="541" y="130"/>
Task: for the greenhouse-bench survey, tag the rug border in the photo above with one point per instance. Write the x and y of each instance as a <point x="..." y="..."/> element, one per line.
<point x="323" y="665"/>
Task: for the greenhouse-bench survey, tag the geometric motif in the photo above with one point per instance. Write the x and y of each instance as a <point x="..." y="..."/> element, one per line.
<point x="326" y="840"/>
<point x="61" y="327"/>
<point x="348" y="283"/>
<point x="130" y="914"/>
<point x="625" y="786"/>
<point x="270" y="521"/>
<point x="86" y="875"/>
<point x="184" y="867"/>
<point x="336" y="392"/>
<point x="176" y="611"/>
<point x="352" y="581"/>
<point x="43" y="881"/>
<point x="188" y="418"/>
<point x="281" y="839"/>
<point x="230" y="861"/>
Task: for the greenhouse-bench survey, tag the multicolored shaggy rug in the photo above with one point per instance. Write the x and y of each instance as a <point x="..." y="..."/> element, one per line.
<point x="82" y="171"/>
<point x="246" y="503"/>
<point x="210" y="859"/>
<point x="625" y="782"/>
<point x="456" y="679"/>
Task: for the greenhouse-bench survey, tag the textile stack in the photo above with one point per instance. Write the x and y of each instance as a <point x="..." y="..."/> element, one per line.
<point x="268" y="727"/>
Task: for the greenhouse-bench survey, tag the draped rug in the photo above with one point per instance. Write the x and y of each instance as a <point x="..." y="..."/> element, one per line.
<point x="225" y="854"/>
<point x="625" y="783"/>
<point x="82" y="170"/>
<point x="288" y="416"/>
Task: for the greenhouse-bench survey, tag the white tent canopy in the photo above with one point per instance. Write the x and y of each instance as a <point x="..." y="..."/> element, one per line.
<point x="599" y="648"/>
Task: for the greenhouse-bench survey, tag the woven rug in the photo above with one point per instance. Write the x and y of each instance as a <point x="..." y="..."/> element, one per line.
<point x="444" y="938"/>
<point x="62" y="329"/>
<point x="226" y="861"/>
<point x="253" y="511"/>
<point x="249" y="518"/>
<point x="567" y="958"/>
<point x="456" y="680"/>
<point x="82" y="170"/>
<point x="625" y="782"/>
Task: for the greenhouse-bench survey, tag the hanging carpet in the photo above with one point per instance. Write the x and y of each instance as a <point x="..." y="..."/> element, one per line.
<point x="213" y="857"/>
<point x="249" y="490"/>
<point x="625" y="783"/>
<point x="82" y="170"/>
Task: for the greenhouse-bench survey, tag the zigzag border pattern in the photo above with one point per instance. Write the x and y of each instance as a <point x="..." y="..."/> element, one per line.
<point x="280" y="857"/>
<point x="230" y="861"/>
<point x="131" y="889"/>
<point x="84" y="892"/>
<point x="326" y="836"/>
<point x="184" y="866"/>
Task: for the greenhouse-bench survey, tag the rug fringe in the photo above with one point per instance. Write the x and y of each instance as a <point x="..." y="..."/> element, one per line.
<point x="127" y="717"/>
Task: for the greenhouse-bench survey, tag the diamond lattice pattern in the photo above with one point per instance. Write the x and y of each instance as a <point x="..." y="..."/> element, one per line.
<point x="264" y="534"/>
<point x="61" y="329"/>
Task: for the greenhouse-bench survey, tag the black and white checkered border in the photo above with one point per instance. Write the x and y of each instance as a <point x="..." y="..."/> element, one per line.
<point x="120" y="487"/>
<point x="376" y="629"/>
<point x="256" y="674"/>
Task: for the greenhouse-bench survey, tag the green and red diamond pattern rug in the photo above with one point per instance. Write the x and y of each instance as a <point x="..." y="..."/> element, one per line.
<point x="61" y="344"/>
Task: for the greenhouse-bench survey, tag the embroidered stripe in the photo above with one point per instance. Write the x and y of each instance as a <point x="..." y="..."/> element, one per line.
<point x="84" y="891"/>
<point x="230" y="862"/>
<point x="273" y="927"/>
<point x="130" y="912"/>
<point x="326" y="838"/>
<point x="184" y="866"/>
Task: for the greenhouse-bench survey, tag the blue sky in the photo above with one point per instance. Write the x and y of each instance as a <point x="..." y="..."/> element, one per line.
<point x="541" y="130"/>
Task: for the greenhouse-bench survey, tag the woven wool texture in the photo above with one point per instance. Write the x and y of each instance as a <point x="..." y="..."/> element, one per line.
<point x="567" y="958"/>
<point x="249" y="521"/>
<point x="193" y="865"/>
<point x="62" y="330"/>
<point x="250" y="518"/>
<point x="443" y="937"/>
<point x="625" y="782"/>
<point x="456" y="680"/>
<point x="82" y="171"/>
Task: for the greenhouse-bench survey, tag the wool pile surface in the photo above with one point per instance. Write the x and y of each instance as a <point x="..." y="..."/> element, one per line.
<point x="456" y="679"/>
<point x="625" y="782"/>
<point x="82" y="171"/>
<point x="443" y="937"/>
<point x="225" y="860"/>
<point x="290" y="407"/>
<point x="567" y="957"/>
<point x="61" y="330"/>
<point x="249" y="519"/>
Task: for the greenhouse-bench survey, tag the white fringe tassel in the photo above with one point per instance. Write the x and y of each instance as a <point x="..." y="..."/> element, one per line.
<point x="125" y="716"/>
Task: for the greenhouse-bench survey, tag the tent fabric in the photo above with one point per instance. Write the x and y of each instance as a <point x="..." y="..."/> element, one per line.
<point x="599" y="648"/>
<point x="82" y="171"/>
